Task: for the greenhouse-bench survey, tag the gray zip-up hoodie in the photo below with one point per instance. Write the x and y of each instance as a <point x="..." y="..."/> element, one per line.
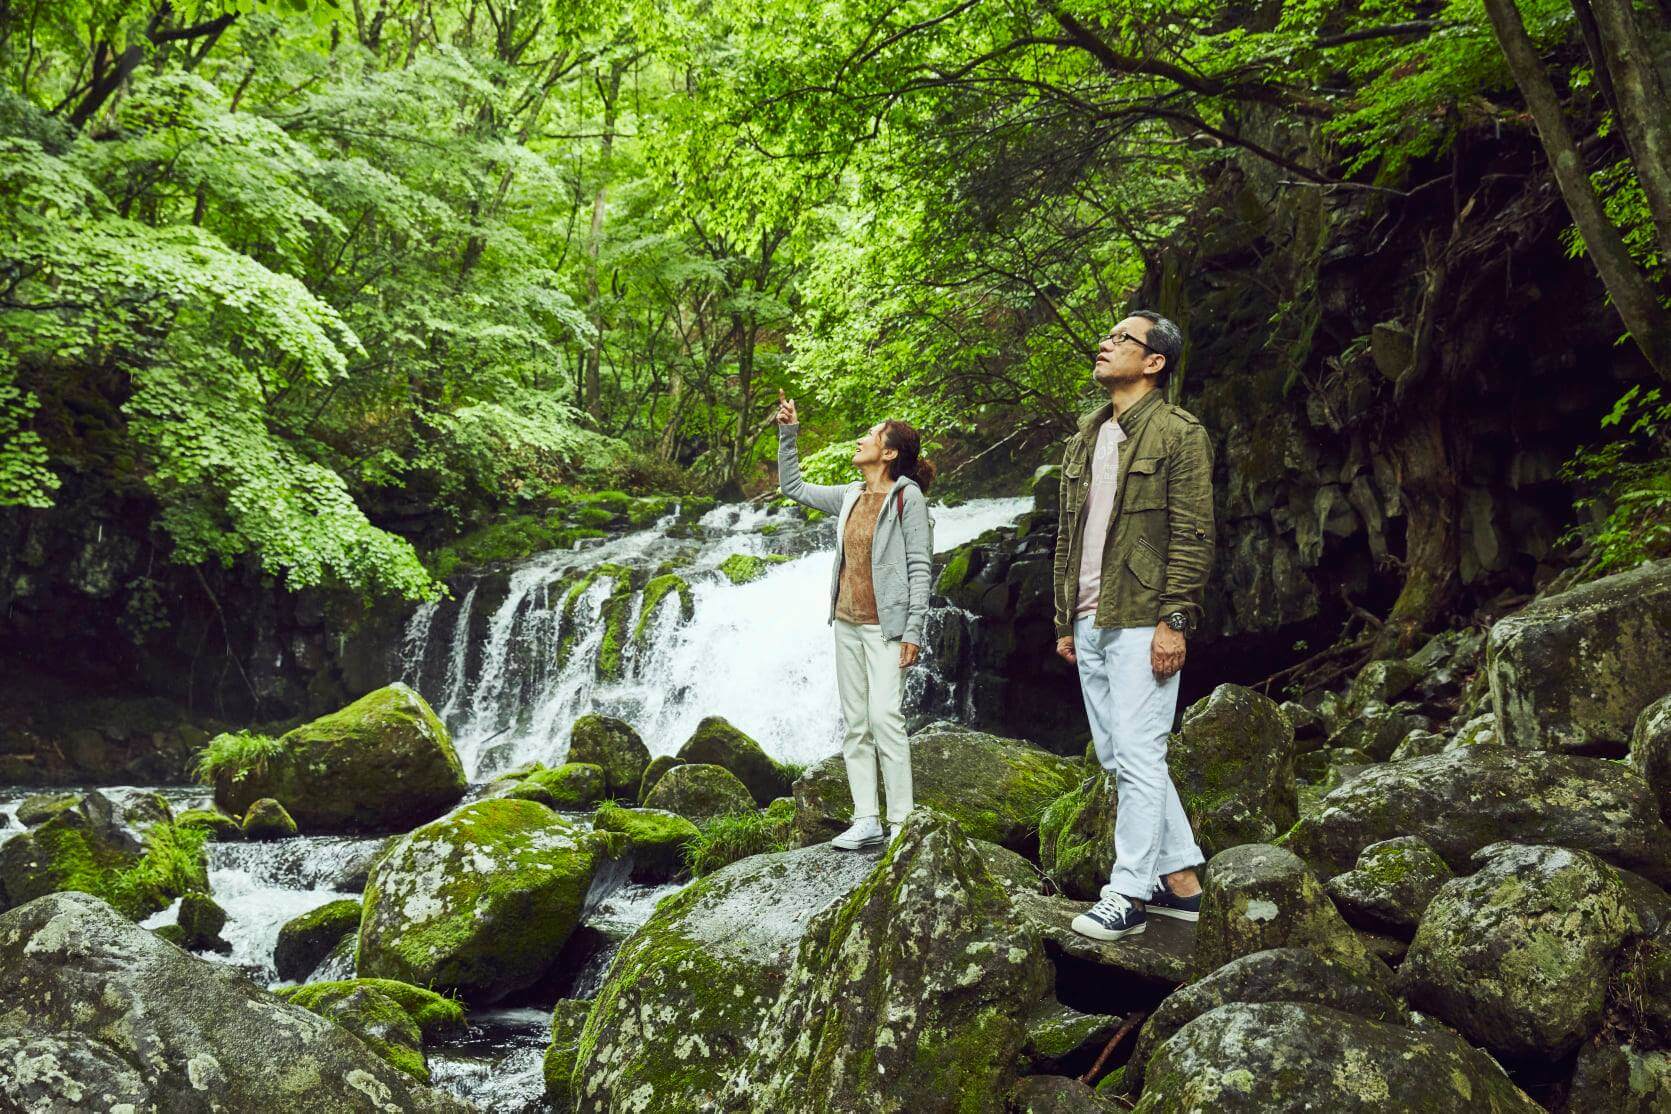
<point x="901" y="553"/>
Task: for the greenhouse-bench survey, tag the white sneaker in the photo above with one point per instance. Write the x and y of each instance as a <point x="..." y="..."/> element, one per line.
<point x="865" y="833"/>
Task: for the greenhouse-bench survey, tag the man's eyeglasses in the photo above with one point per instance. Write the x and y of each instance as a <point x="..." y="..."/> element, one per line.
<point x="1120" y="337"/>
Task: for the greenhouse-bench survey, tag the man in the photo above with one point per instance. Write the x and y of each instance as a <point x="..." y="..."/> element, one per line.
<point x="1132" y="551"/>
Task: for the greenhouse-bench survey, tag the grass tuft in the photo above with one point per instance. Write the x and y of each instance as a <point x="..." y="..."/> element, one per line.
<point x="237" y="754"/>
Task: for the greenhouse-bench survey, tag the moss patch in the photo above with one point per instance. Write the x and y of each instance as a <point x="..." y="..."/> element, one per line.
<point x="741" y="568"/>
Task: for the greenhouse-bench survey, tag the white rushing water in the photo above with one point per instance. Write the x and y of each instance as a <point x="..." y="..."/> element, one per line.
<point x="760" y="654"/>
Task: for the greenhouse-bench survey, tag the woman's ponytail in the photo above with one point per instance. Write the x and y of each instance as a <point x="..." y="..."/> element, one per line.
<point x="903" y="438"/>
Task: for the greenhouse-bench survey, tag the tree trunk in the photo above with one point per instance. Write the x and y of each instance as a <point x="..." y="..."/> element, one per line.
<point x="1643" y="109"/>
<point x="611" y="91"/>
<point x="1432" y="538"/>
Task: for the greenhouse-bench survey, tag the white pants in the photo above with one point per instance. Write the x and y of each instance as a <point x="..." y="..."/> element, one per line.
<point x="871" y="684"/>
<point x="1131" y="721"/>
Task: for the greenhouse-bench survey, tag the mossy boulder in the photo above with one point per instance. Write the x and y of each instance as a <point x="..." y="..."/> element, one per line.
<point x="656" y="590"/>
<point x="1381" y="682"/>
<point x="393" y="1018"/>
<point x="1619" y="1079"/>
<point x="479" y="902"/>
<point x="1573" y="671"/>
<point x="573" y="785"/>
<point x="1650" y="751"/>
<point x="1463" y="800"/>
<point x="1062" y="1039"/>
<point x="306" y="940"/>
<point x="90" y="848"/>
<point x="568" y="1021"/>
<point x="1251" y="1058"/>
<point x="997" y="789"/>
<point x="658" y="766"/>
<point x="1517" y="956"/>
<point x="201" y="919"/>
<point x="1276" y="975"/>
<point x="217" y="825"/>
<point x="741" y="568"/>
<point x="268" y="819"/>
<point x="1257" y="897"/>
<point x="685" y="996"/>
<point x="718" y="743"/>
<point x="912" y="993"/>
<point x="1391" y="886"/>
<point x="1476" y="731"/>
<point x="1418" y="744"/>
<point x="1378" y="730"/>
<point x="38" y="808"/>
<point x="1076" y="837"/>
<point x="1233" y="764"/>
<point x="383" y="763"/>
<point x="116" y="1016"/>
<point x="700" y="792"/>
<point x="613" y="745"/>
<point x="656" y="840"/>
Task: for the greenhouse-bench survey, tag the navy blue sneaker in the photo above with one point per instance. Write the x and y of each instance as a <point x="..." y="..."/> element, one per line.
<point x="1165" y="903"/>
<point x="1110" y="919"/>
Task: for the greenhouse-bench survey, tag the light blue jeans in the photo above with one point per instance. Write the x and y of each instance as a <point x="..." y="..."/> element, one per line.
<point x="1131" y="721"/>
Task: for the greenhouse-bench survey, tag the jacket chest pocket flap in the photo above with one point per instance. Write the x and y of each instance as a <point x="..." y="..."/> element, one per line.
<point x="1075" y="477"/>
<point x="1145" y="485"/>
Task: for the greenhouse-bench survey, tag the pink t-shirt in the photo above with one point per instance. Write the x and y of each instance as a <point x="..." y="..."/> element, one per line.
<point x="1099" y="512"/>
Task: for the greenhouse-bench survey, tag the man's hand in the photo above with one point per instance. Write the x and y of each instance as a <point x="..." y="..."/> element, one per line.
<point x="1064" y="649"/>
<point x="1166" y="653"/>
<point x="908" y="653"/>
<point x="785" y="409"/>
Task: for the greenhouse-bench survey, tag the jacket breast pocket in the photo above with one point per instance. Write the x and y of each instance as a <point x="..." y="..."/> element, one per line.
<point x="1074" y="482"/>
<point x="1145" y="485"/>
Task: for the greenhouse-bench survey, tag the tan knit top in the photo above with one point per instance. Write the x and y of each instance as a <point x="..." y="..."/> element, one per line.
<point x="856" y="598"/>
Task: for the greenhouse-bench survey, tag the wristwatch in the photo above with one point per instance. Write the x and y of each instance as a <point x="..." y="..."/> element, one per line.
<point x="1178" y="621"/>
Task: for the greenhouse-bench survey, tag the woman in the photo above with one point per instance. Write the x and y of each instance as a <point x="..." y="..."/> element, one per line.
<point x="878" y="604"/>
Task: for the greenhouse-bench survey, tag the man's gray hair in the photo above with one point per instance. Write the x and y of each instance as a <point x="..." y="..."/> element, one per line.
<point x="1165" y="339"/>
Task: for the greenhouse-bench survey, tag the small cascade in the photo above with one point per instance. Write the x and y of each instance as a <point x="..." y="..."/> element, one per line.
<point x="498" y="1064"/>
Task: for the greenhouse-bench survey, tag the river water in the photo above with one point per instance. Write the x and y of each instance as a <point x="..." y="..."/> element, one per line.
<point x="758" y="653"/>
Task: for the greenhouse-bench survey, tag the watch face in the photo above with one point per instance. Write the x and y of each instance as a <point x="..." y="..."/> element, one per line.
<point x="1177" y="620"/>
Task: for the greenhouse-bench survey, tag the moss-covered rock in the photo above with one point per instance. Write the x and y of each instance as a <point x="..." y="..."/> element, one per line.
<point x="1076" y="838"/>
<point x="1477" y="731"/>
<point x="658" y="766"/>
<point x="201" y="920"/>
<point x="741" y="568"/>
<point x="1053" y="1094"/>
<point x="573" y="785"/>
<point x="657" y="589"/>
<point x="100" y="1012"/>
<point x="1418" y="744"/>
<point x="685" y="995"/>
<point x="1391" y="886"/>
<point x="1517" y="956"/>
<point x="612" y="744"/>
<point x="392" y="1018"/>
<point x="478" y="902"/>
<point x="306" y="940"/>
<point x="656" y="840"/>
<point x="1330" y="766"/>
<point x="912" y="993"/>
<point x="1619" y="1079"/>
<point x="1381" y="682"/>
<point x="699" y="792"/>
<point x="997" y="789"/>
<point x="1277" y="975"/>
<point x="383" y="763"/>
<point x="88" y="848"/>
<point x="217" y="825"/>
<point x="1378" y="730"/>
<point x="267" y="819"/>
<point x="38" y="808"/>
<point x="1463" y="800"/>
<point x="568" y="1021"/>
<point x="1251" y="1058"/>
<point x="716" y="742"/>
<point x="1257" y="897"/>
<point x="1572" y="671"/>
<point x="1233" y="764"/>
<point x="1650" y="750"/>
<point x="1062" y="1039"/>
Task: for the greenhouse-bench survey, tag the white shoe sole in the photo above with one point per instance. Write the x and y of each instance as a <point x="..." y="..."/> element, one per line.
<point x="860" y="845"/>
<point x="1175" y="914"/>
<point x="1085" y="926"/>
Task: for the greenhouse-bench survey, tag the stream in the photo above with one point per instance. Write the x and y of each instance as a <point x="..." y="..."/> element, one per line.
<point x="489" y="660"/>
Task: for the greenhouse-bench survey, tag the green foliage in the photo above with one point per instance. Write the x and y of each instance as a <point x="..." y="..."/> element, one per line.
<point x="726" y="839"/>
<point x="1625" y="511"/>
<point x="235" y="755"/>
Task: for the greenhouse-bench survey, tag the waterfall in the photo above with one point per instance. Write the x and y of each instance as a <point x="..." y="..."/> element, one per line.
<point x="758" y="653"/>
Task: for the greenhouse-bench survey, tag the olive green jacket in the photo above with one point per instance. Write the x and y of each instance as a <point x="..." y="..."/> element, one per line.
<point x="1160" y="538"/>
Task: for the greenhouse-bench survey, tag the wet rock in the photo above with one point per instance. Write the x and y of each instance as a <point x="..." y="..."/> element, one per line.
<point x="568" y="1021"/>
<point x="573" y="785"/>
<point x="1257" y="897"/>
<point x="1159" y="959"/>
<point x="718" y="743"/>
<point x="383" y="763"/>
<point x="658" y="766"/>
<point x="1620" y="1079"/>
<point x="1650" y="750"/>
<point x="267" y="819"/>
<point x="1517" y="956"/>
<point x="995" y="788"/>
<point x="910" y="994"/>
<point x="1233" y="764"/>
<point x="612" y="744"/>
<point x="1076" y="838"/>
<point x="1276" y="975"/>
<point x="201" y="920"/>
<point x="1054" y="1094"/>
<point x="38" y="808"/>
<point x="685" y="995"/>
<point x="1391" y="886"/>
<point x="101" y="1012"/>
<point x="220" y="827"/>
<point x="393" y="1018"/>
<point x="1572" y="671"/>
<point x="306" y="940"/>
<point x="700" y="792"/>
<point x="1062" y="1039"/>
<point x="478" y="902"/>
<point x="656" y="840"/>
<point x="1463" y="800"/>
<point x="1265" y="1056"/>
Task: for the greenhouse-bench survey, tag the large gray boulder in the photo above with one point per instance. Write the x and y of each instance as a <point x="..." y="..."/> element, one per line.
<point x="1650" y="750"/>
<point x="1463" y="800"/>
<point x="685" y="995"/>
<point x="1257" y="897"/>
<point x="1233" y="764"/>
<point x="99" y="1012"/>
<point x="1268" y="1056"/>
<point x="912" y="994"/>
<point x="1572" y="671"/>
<point x="1517" y="956"/>
<point x="1391" y="886"/>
